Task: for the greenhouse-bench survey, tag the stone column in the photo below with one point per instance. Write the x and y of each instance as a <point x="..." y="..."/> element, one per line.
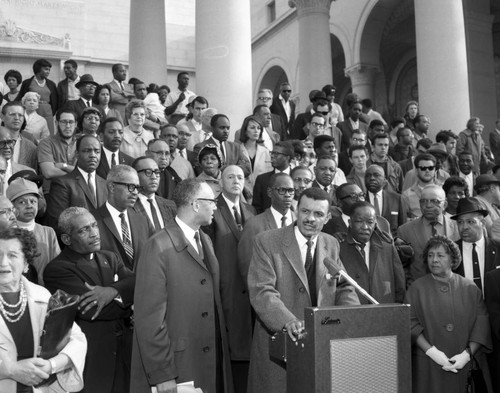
<point x="148" y="41"/>
<point x="443" y="83"/>
<point x="315" y="51"/>
<point x="362" y="79"/>
<point x="224" y="57"/>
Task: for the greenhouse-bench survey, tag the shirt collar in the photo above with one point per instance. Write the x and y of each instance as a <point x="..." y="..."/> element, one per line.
<point x="479" y="243"/>
<point x="302" y="241"/>
<point x="186" y="229"/>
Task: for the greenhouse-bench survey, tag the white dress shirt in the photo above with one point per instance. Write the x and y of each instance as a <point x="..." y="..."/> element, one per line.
<point x="467" y="259"/>
<point x="86" y="178"/>
<point x="147" y="207"/>
<point x="108" y="154"/>
<point x="277" y="217"/>
<point x="286" y="106"/>
<point x="302" y="241"/>
<point x="188" y="232"/>
<point x="115" y="215"/>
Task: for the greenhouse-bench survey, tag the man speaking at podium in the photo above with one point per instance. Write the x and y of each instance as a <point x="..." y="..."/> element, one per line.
<point x="286" y="275"/>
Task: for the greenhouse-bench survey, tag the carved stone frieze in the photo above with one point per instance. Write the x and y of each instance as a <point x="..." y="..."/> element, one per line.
<point x="9" y="31"/>
<point x="309" y="6"/>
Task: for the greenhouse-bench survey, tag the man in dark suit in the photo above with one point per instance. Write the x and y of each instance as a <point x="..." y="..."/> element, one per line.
<point x="387" y="203"/>
<point x="372" y="259"/>
<point x="180" y="331"/>
<point x="278" y="215"/>
<point x="281" y="156"/>
<point x="285" y="108"/>
<point x="492" y="300"/>
<point x="115" y="217"/>
<point x="225" y="231"/>
<point x="111" y="132"/>
<point x="287" y="273"/>
<point x="82" y="187"/>
<point x="87" y="87"/>
<point x="232" y="153"/>
<point x="276" y="125"/>
<point x="353" y="122"/>
<point x="159" y="150"/>
<point x="66" y="89"/>
<point x="158" y="210"/>
<point x="106" y="288"/>
<point x="299" y="130"/>
<point x="121" y="93"/>
<point x="479" y="253"/>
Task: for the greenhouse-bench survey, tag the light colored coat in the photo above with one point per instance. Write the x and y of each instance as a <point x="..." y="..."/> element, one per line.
<point x="71" y="379"/>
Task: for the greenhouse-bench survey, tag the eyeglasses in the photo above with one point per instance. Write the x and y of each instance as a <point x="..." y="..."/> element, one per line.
<point x="149" y="172"/>
<point x="324" y="113"/>
<point x="265" y="98"/>
<point x="359" y="139"/>
<point x="7" y="143"/>
<point x="8" y="211"/>
<point x="302" y="180"/>
<point x="207" y="199"/>
<point x="284" y="190"/>
<point x="161" y="153"/>
<point x="286" y="91"/>
<point x="434" y="202"/>
<point x="131" y="187"/>
<point x="277" y="153"/>
<point x="319" y="125"/>
<point x="67" y="122"/>
<point x="426" y="168"/>
<point x="354" y="195"/>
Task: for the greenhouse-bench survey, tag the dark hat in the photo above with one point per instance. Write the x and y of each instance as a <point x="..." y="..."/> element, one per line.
<point x="329" y="89"/>
<point x="28" y="175"/>
<point x="91" y="109"/>
<point x="495" y="168"/>
<point x="86" y="79"/>
<point x="319" y="96"/>
<point x="484" y="180"/>
<point x="469" y="205"/>
<point x="210" y="149"/>
<point x="438" y="149"/>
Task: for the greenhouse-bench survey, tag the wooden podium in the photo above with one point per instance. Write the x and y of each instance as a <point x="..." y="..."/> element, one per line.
<point x="361" y="349"/>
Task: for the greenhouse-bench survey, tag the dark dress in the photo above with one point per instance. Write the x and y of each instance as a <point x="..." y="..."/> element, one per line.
<point x="449" y="313"/>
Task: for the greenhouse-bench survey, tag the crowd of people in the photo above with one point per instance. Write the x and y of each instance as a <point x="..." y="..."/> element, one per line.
<point x="189" y="251"/>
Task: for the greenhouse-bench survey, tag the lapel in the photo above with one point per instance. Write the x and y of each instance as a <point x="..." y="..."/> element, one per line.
<point x="292" y="253"/>
<point x="103" y="163"/>
<point x="269" y="221"/>
<point x="375" y="249"/>
<point x="85" y="267"/>
<point x="110" y="224"/>
<point x="357" y="259"/>
<point x="228" y="216"/>
<point x="321" y="254"/>
<point x="84" y="186"/>
<point x="180" y="243"/>
<point x="136" y="230"/>
<point x="101" y="190"/>
<point x="489" y="255"/>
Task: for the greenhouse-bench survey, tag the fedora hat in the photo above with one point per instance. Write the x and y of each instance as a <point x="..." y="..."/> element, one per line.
<point x="484" y="180"/>
<point x="85" y="79"/>
<point x="438" y="149"/>
<point x="320" y="95"/>
<point x="27" y="174"/>
<point x="469" y="205"/>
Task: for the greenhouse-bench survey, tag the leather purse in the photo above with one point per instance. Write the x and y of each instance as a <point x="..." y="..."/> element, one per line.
<point x="475" y="379"/>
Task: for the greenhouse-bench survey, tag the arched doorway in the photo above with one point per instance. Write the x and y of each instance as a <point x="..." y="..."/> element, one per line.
<point x="272" y="80"/>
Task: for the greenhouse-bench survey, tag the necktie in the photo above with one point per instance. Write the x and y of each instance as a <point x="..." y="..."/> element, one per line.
<point x="475" y="267"/>
<point x="198" y="244"/>
<point x="92" y="189"/>
<point x="361" y="248"/>
<point x="325" y="188"/>
<point x="127" y="243"/>
<point x="183" y="153"/>
<point x="237" y="218"/>
<point x="113" y="160"/>
<point x="156" y="222"/>
<point x="121" y="86"/>
<point x="88" y="104"/>
<point x="434" y="230"/>
<point x="283" y="221"/>
<point x="310" y="272"/>
<point x="376" y="205"/>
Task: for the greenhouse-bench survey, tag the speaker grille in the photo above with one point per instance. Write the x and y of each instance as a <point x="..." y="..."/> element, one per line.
<point x="364" y="365"/>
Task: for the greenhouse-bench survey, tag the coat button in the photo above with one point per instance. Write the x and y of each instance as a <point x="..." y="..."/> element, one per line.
<point x="204" y="315"/>
<point x="206" y="349"/>
<point x="203" y="281"/>
<point x="450" y="327"/>
<point x="302" y="289"/>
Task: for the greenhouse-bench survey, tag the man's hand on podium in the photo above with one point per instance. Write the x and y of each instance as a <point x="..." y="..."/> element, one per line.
<point x="295" y="329"/>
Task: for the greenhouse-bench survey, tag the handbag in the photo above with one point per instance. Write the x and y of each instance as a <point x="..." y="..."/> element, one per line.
<point x="475" y="378"/>
<point x="61" y="313"/>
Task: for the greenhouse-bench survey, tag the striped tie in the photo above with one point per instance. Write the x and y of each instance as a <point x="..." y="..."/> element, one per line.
<point x="127" y="243"/>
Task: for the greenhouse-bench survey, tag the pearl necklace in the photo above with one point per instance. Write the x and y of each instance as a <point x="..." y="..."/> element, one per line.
<point x="14" y="316"/>
<point x="40" y="84"/>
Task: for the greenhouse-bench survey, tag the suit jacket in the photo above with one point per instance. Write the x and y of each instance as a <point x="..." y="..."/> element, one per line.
<point x="168" y="181"/>
<point x="178" y="314"/>
<point x="73" y="190"/>
<point x="167" y="208"/>
<point x="414" y="233"/>
<point x="70" y="271"/>
<point x="140" y="231"/>
<point x="278" y="109"/>
<point x="77" y="106"/>
<point x="391" y="203"/>
<point x="117" y="98"/>
<point x="279" y="127"/>
<point x="225" y="236"/>
<point x="337" y="225"/>
<point x="260" y="199"/>
<point x="299" y="124"/>
<point x="384" y="279"/>
<point x="27" y="153"/>
<point x="103" y="167"/>
<point x="492" y="299"/>
<point x="279" y="292"/>
<point x="347" y="130"/>
<point x="491" y="256"/>
<point x="235" y="154"/>
<point x="62" y="92"/>
<point x="406" y="165"/>
<point x="262" y="164"/>
<point x="495" y="145"/>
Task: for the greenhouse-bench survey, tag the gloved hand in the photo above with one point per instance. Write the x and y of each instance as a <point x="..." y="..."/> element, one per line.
<point x="438" y="357"/>
<point x="459" y="361"/>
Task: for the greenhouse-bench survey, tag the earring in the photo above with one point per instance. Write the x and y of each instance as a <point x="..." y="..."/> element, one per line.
<point x="26" y="269"/>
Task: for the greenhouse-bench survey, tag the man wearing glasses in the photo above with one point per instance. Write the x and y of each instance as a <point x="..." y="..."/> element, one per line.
<point x="285" y="107"/>
<point x="432" y="222"/>
<point x="180" y="331"/>
<point x="8" y="167"/>
<point x="276" y="124"/>
<point x="86" y="85"/>
<point x="425" y="166"/>
<point x="7" y="214"/>
<point x="315" y="127"/>
<point x="82" y="187"/>
<point x="158" y="210"/>
<point x="122" y="229"/>
<point x="159" y="150"/>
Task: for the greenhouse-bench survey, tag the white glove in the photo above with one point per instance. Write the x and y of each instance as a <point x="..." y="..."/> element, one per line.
<point x="438" y="357"/>
<point x="460" y="360"/>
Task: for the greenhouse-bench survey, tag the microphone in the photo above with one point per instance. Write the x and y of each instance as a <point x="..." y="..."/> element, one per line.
<point x="335" y="270"/>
